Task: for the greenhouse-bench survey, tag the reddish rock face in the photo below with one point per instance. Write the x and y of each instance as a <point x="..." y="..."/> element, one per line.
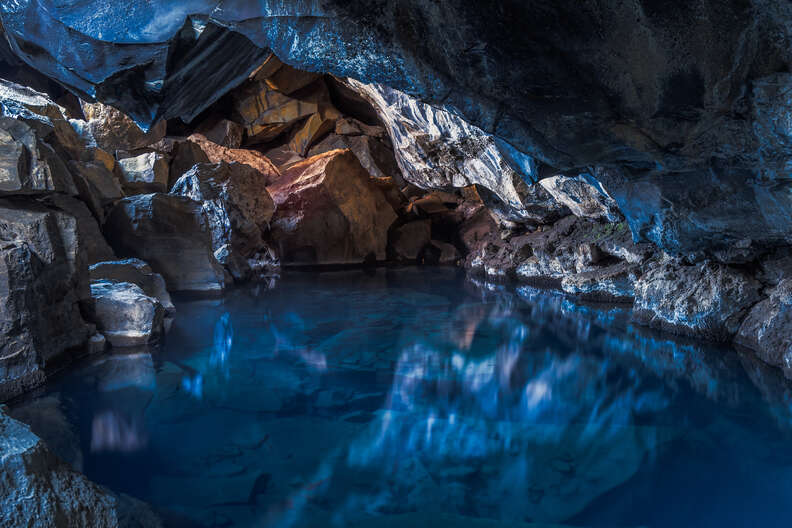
<point x="328" y="211"/>
<point x="219" y="154"/>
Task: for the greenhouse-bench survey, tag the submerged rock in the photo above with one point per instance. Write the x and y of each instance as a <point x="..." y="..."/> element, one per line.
<point x="703" y="300"/>
<point x="172" y="234"/>
<point x="329" y="212"/>
<point x="125" y="315"/>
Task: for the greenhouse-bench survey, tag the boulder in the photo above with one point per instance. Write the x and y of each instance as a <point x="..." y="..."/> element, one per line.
<point x="267" y="113"/>
<point x="43" y="287"/>
<point x="137" y="272"/>
<point x="373" y="154"/>
<point x="253" y="158"/>
<point x="184" y="155"/>
<point x="113" y="130"/>
<point x="172" y="234"/>
<point x="408" y="241"/>
<point x="145" y="173"/>
<point x="349" y="126"/>
<point x="329" y="212"/>
<point x="767" y="329"/>
<point x="99" y="186"/>
<point x="584" y="196"/>
<point x="38" y="490"/>
<point x="313" y="129"/>
<point x="90" y="242"/>
<point x="238" y="208"/>
<point x="283" y="156"/>
<point x="224" y="132"/>
<point x="125" y="315"/>
<point x="706" y="300"/>
<point x="286" y="79"/>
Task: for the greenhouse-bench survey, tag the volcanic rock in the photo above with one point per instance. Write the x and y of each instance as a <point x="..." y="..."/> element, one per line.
<point x="147" y="172"/>
<point x="767" y="329"/>
<point x="125" y="315"/>
<point x="137" y="272"/>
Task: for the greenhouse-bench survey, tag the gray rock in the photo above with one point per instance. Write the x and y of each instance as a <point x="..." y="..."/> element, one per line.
<point x="583" y="196"/>
<point x="172" y="234"/>
<point x="90" y="242"/>
<point x="768" y="328"/>
<point x="614" y="283"/>
<point x="148" y="171"/>
<point x="238" y="208"/>
<point x="137" y="272"/>
<point x="43" y="284"/>
<point x="706" y="300"/>
<point x="125" y="315"/>
<point x="38" y="490"/>
<point x="113" y="130"/>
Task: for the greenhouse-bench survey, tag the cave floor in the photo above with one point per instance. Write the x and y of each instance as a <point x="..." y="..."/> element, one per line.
<point x="416" y="397"/>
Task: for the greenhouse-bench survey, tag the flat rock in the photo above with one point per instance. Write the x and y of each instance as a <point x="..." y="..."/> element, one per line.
<point x="172" y="234"/>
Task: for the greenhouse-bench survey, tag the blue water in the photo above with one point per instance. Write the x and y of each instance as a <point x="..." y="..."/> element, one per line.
<point x="417" y="398"/>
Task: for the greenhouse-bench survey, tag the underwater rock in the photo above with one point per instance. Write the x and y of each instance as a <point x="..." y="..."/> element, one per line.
<point x="38" y="490"/>
<point x="137" y="272"/>
<point x="329" y="212"/>
<point x="706" y="300"/>
<point x="172" y="234"/>
<point x="767" y="329"/>
<point x="125" y="315"/>
<point x="238" y="208"/>
<point x="44" y="286"/>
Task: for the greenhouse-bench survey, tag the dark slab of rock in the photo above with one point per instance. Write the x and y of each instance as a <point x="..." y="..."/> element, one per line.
<point x="767" y="329"/>
<point x="329" y="212"/>
<point x="407" y="242"/>
<point x="172" y="234"/>
<point x="219" y="154"/>
<point x="706" y="300"/>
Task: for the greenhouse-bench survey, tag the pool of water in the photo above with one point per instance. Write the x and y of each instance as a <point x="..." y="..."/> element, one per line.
<point x="417" y="398"/>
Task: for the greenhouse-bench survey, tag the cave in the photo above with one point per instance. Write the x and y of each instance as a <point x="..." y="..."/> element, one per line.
<point x="395" y="263"/>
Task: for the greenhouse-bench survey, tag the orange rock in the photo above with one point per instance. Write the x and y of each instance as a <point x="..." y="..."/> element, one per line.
<point x="328" y="211"/>
<point x="253" y="158"/>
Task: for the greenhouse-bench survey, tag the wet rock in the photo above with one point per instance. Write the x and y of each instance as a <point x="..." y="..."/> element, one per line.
<point x="113" y="130"/>
<point x="583" y="196"/>
<point x="172" y="234"/>
<point x="125" y="315"/>
<point x="224" y="132"/>
<point x="145" y="173"/>
<point x="704" y="300"/>
<point x="137" y="272"/>
<point x="38" y="490"/>
<point x="767" y="329"/>
<point x="408" y="241"/>
<point x="238" y="208"/>
<point x="614" y="283"/>
<point x="329" y="212"/>
<point x="253" y="158"/>
<point x="43" y="285"/>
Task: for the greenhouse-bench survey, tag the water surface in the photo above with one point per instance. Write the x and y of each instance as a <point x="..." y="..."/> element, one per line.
<point x="417" y="398"/>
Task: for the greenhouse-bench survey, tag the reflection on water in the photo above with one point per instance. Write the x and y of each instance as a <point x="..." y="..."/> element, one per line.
<point x="414" y="398"/>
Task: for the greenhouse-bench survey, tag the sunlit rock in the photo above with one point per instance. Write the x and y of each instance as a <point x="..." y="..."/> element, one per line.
<point x="145" y="173"/>
<point x="172" y="234"/>
<point x="238" y="209"/>
<point x="768" y="328"/>
<point x="329" y="212"/>
<point x="706" y="299"/>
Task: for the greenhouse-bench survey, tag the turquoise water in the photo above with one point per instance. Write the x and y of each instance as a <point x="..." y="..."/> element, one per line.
<point x="416" y="398"/>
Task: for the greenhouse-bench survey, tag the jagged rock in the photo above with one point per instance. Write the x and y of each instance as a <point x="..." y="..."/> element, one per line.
<point x="350" y="126"/>
<point x="137" y="272"/>
<point x="38" y="490"/>
<point x="408" y="241"/>
<point x="43" y="286"/>
<point x="283" y="156"/>
<point x="315" y="127"/>
<point x="288" y="80"/>
<point x="184" y="155"/>
<point x="125" y="315"/>
<point x="224" y="132"/>
<point x="113" y="130"/>
<point x="614" y="283"/>
<point x="238" y="208"/>
<point x="329" y="212"/>
<point x="583" y="196"/>
<point x="375" y="157"/>
<point x="253" y="158"/>
<point x="171" y="233"/>
<point x="89" y="242"/>
<point x="767" y="329"/>
<point x="99" y="186"/>
<point x="146" y="173"/>
<point x="705" y="300"/>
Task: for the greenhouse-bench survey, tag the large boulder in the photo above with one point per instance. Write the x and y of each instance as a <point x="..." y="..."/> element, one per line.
<point x="125" y="315"/>
<point x="44" y="290"/>
<point x="329" y="212"/>
<point x="38" y="490"/>
<point x="113" y="130"/>
<point x="768" y="328"/>
<point x="172" y="234"/>
<point x="219" y="154"/>
<point x="706" y="300"/>
<point x="238" y="208"/>
<point x="137" y="272"/>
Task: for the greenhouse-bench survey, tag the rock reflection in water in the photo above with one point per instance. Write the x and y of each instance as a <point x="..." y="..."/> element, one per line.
<point x="412" y="397"/>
